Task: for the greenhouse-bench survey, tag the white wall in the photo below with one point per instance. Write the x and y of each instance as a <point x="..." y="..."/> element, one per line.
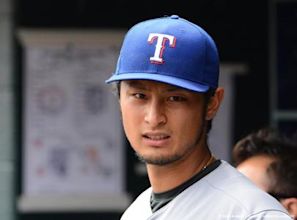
<point x="6" y="114"/>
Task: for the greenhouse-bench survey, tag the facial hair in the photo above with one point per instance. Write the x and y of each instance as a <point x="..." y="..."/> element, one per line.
<point x="165" y="160"/>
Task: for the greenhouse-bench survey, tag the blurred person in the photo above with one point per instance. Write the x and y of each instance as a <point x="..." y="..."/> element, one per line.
<point x="167" y="84"/>
<point x="269" y="159"/>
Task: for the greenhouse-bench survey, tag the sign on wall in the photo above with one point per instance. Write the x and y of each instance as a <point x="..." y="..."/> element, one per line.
<point x="73" y="141"/>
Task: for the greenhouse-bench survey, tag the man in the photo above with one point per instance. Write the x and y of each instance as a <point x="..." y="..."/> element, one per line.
<point x="269" y="159"/>
<point x="167" y="79"/>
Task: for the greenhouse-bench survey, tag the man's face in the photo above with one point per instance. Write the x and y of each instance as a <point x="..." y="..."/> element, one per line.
<point x="255" y="168"/>
<point x="163" y="123"/>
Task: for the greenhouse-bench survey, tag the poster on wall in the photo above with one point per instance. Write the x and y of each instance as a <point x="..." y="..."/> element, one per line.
<point x="72" y="136"/>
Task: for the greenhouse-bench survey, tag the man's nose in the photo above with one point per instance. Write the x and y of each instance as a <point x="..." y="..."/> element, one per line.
<point x="155" y="113"/>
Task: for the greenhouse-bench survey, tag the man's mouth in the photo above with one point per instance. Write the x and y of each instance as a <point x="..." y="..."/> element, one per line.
<point x="156" y="137"/>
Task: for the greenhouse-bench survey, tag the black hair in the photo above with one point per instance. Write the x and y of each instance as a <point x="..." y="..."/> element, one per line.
<point x="208" y="95"/>
<point x="267" y="141"/>
<point x="282" y="148"/>
<point x="283" y="176"/>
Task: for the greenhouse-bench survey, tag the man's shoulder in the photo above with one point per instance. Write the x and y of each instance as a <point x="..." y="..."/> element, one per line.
<point x="140" y="207"/>
<point x="226" y="184"/>
<point x="143" y="199"/>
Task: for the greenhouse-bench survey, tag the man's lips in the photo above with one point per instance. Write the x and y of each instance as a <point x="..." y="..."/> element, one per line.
<point x="156" y="136"/>
<point x="156" y="139"/>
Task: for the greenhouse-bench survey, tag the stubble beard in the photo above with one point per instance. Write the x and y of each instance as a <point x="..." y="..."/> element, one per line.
<point x="160" y="161"/>
<point x="166" y="160"/>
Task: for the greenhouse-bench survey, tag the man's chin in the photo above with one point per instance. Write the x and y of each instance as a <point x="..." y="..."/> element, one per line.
<point x="159" y="161"/>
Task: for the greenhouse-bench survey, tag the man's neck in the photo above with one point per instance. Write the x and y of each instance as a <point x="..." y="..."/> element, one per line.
<point x="167" y="177"/>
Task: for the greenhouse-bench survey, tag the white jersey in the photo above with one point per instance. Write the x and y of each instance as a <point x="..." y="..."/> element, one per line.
<point x="223" y="194"/>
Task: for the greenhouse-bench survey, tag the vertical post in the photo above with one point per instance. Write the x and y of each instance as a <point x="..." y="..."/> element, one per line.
<point x="6" y="113"/>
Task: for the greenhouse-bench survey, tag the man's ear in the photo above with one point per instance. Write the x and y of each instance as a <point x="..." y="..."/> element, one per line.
<point x="214" y="103"/>
<point x="291" y="205"/>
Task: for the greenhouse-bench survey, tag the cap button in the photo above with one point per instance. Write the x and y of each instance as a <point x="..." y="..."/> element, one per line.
<point x="174" y="17"/>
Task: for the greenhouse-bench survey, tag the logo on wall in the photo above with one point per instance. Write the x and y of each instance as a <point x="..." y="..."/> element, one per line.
<point x="93" y="99"/>
<point x="51" y="99"/>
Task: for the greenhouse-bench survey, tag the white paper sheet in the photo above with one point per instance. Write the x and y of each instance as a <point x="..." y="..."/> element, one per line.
<point x="72" y="130"/>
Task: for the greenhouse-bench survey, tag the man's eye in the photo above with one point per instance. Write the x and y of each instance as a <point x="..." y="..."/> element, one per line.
<point x="176" y="98"/>
<point x="139" y="95"/>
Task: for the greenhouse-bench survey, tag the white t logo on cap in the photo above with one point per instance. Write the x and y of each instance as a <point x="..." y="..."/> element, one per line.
<point x="160" y="45"/>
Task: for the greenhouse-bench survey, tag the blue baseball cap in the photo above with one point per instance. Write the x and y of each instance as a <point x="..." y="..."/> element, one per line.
<point x="171" y="50"/>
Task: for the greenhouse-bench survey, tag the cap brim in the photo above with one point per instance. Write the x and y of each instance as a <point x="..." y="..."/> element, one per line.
<point x="160" y="78"/>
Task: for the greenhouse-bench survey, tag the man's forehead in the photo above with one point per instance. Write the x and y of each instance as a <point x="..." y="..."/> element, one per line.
<point x="145" y="84"/>
<point x="260" y="160"/>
